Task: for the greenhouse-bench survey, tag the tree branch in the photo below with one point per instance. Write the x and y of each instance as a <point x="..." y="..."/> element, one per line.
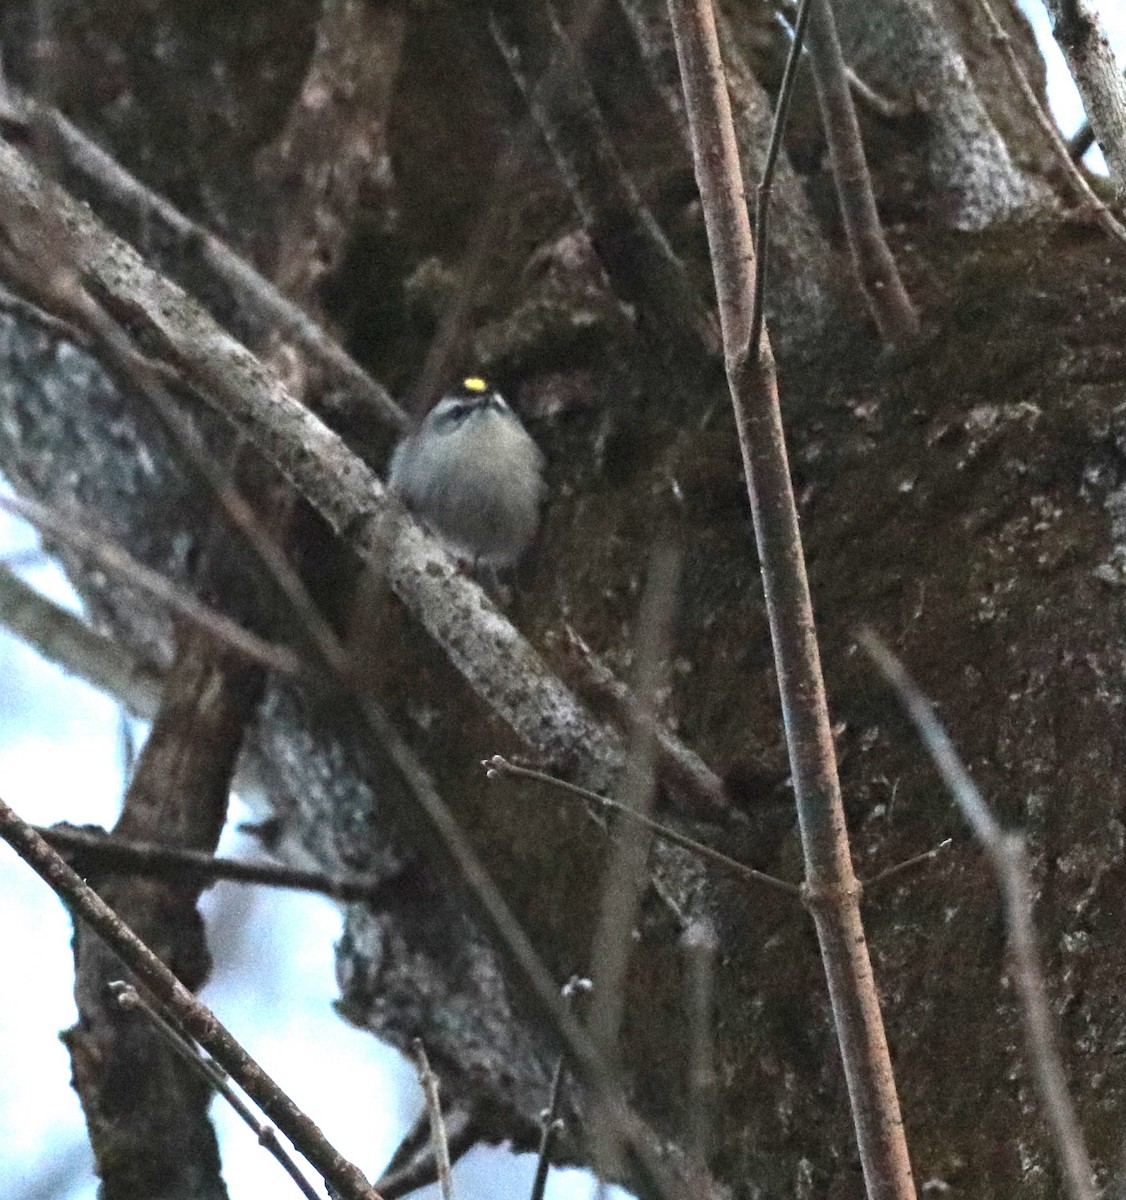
<point x="1078" y="29"/>
<point x="1009" y="860"/>
<point x="104" y="176"/>
<point x="873" y="262"/>
<point x="831" y="888"/>
<point x="197" y="1020"/>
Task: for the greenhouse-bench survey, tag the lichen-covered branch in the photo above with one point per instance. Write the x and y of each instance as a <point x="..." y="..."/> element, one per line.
<point x="1079" y="30"/>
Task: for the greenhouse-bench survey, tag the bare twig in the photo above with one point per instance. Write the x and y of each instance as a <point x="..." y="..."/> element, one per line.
<point x="1009" y="859"/>
<point x="700" y="948"/>
<point x="916" y="860"/>
<point x="498" y="766"/>
<point x="886" y="108"/>
<point x="803" y="294"/>
<point x="430" y="1090"/>
<point x="110" y="855"/>
<point x="197" y="1020"/>
<point x="413" y="1164"/>
<point x="626" y="872"/>
<point x="129" y="998"/>
<point x="762" y="196"/>
<point x="872" y="261"/>
<point x="1075" y="177"/>
<point x="112" y="557"/>
<point x="1079" y="30"/>
<point x="692" y="783"/>
<point x="551" y="1119"/>
<point x="831" y="889"/>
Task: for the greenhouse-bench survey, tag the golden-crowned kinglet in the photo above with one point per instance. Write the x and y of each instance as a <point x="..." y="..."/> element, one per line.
<point x="473" y="474"/>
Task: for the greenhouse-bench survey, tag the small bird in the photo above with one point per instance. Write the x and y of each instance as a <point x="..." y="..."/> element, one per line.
<point x="474" y="475"/>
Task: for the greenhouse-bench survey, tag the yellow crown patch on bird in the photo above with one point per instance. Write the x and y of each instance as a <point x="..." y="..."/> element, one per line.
<point x="475" y="384"/>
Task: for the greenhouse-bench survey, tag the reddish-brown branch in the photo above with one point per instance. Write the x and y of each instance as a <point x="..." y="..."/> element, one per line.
<point x="831" y="890"/>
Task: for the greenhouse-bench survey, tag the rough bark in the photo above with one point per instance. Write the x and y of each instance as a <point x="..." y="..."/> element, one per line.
<point x="951" y="156"/>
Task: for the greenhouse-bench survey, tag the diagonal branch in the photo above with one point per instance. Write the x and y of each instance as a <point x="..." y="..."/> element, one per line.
<point x="101" y="174"/>
<point x="641" y="264"/>
<point x="1009" y="860"/>
<point x="196" y="1019"/>
<point x="499" y="665"/>
<point x="1079" y="30"/>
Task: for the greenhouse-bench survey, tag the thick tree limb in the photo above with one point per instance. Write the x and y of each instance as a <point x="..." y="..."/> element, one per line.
<point x="101" y="174"/>
<point x="64" y="639"/>
<point x="146" y="1110"/>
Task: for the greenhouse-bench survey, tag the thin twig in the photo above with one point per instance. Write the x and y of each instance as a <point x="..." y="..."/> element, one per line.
<point x="916" y="860"/>
<point x="762" y="195"/>
<point x="626" y="874"/>
<point x="431" y="1092"/>
<point x="129" y="998"/>
<point x="114" y="558"/>
<point x="498" y="766"/>
<point x="1075" y="177"/>
<point x="700" y="947"/>
<point x="691" y="783"/>
<point x="883" y="106"/>
<point x="1007" y="855"/>
<point x="831" y="890"/>
<point x="551" y="1121"/>
<point x="872" y="260"/>
<point x="197" y="1020"/>
<point x="105" y="854"/>
<point x="413" y="1165"/>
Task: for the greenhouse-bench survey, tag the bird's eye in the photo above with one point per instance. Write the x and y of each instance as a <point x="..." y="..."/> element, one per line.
<point x="453" y="413"/>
